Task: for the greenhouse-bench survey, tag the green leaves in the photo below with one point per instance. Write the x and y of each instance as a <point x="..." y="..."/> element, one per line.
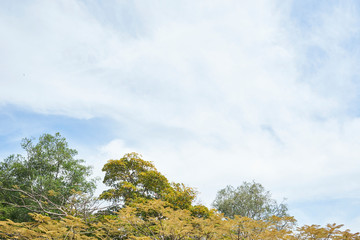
<point x="249" y="200"/>
<point x="131" y="178"/>
<point x="46" y="175"/>
<point x="155" y="220"/>
<point x="50" y="181"/>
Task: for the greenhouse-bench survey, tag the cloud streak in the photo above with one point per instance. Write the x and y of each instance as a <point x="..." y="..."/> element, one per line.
<point x="236" y="90"/>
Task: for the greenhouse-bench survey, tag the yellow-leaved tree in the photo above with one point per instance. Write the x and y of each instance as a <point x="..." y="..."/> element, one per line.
<point x="132" y="179"/>
<point x="148" y="206"/>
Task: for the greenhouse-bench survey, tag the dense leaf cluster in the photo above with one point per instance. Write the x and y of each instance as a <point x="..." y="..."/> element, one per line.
<point x="132" y="179"/>
<point x="43" y="180"/>
<point x="47" y="195"/>
<point x="249" y="199"/>
<point x="156" y="220"/>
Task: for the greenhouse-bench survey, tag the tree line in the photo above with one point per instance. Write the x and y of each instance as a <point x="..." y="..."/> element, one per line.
<point x="49" y="194"/>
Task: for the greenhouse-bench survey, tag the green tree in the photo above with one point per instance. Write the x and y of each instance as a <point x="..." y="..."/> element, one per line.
<point x="132" y="179"/>
<point x="248" y="200"/>
<point x="44" y="180"/>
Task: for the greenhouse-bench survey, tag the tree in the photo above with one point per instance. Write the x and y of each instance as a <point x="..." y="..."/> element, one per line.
<point x="155" y="220"/>
<point x="132" y="179"/>
<point x="248" y="200"/>
<point x="44" y="180"/>
<point x="44" y="227"/>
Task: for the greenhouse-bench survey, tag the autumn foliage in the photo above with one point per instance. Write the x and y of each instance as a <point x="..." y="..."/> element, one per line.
<point x="143" y="205"/>
<point x="155" y="219"/>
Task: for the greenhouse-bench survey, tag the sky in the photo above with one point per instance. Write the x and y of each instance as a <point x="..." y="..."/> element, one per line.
<point x="214" y="93"/>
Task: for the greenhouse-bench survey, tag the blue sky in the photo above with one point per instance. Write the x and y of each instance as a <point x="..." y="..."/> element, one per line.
<point x="213" y="92"/>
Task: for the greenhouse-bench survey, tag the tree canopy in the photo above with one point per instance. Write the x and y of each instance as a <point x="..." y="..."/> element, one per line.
<point x="248" y="200"/>
<point x="132" y="179"/>
<point x="44" y="179"/>
<point x="50" y="186"/>
<point x="155" y="220"/>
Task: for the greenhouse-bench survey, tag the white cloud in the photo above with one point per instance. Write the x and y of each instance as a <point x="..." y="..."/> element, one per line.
<point x="115" y="149"/>
<point x="216" y="93"/>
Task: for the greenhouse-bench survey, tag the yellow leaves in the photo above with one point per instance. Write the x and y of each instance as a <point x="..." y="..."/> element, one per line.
<point x="45" y="228"/>
<point x="271" y="228"/>
<point x="156" y="220"/>
<point x="209" y="228"/>
<point x="331" y="231"/>
<point x="72" y="191"/>
<point x="131" y="178"/>
<point x="132" y="161"/>
<point x="200" y="211"/>
<point x="156" y="209"/>
<point x="179" y="195"/>
<point x="52" y="193"/>
<point x="40" y="218"/>
<point x="128" y="186"/>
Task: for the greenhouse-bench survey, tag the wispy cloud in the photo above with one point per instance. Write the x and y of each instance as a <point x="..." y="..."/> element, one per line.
<point x="213" y="92"/>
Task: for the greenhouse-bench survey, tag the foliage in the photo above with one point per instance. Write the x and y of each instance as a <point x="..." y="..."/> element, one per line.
<point x="148" y="205"/>
<point x="248" y="228"/>
<point x="331" y="231"/>
<point x="201" y="211"/>
<point x="45" y="179"/>
<point x="156" y="220"/>
<point x="44" y="227"/>
<point x="248" y="200"/>
<point x="133" y="179"/>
